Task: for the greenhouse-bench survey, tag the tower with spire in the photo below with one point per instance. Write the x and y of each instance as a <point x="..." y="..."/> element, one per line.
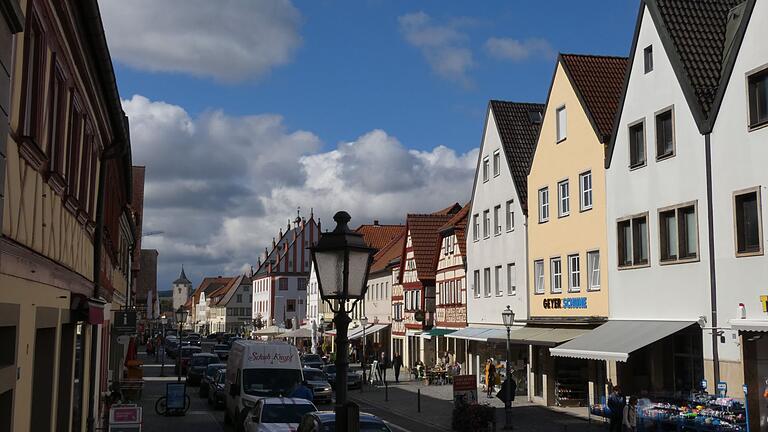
<point x="181" y="289"/>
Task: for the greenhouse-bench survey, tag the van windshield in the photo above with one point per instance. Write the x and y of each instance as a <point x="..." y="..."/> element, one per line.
<point x="270" y="382"/>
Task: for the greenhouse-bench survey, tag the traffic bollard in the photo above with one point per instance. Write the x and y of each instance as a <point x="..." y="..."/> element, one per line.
<point x="418" y="402"/>
<point x="386" y="392"/>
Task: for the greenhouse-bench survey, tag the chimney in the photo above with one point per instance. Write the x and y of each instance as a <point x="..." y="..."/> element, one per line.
<point x="376" y="222"/>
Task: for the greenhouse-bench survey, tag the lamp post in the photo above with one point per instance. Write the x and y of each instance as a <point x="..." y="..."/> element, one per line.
<point x="342" y="260"/>
<point x="508" y="317"/>
<point x="163" y="321"/>
<point x="364" y="323"/>
<point x="181" y="316"/>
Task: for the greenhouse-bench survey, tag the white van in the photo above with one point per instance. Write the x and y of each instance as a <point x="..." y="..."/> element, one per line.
<point x="257" y="369"/>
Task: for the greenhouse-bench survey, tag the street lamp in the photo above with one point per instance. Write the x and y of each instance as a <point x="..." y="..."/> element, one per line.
<point x="341" y="260"/>
<point x="508" y="317"/>
<point x="364" y="323"/>
<point x="181" y="316"/>
<point x="163" y="321"/>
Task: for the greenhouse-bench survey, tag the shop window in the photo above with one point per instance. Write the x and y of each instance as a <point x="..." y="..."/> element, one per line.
<point x="8" y="341"/>
<point x="593" y="261"/>
<point x="556" y="275"/>
<point x="633" y="241"/>
<point x="585" y="190"/>
<point x="561" y="118"/>
<point x="678" y="234"/>
<point x="563" y="199"/>
<point x="758" y="98"/>
<point x="749" y="233"/>
<point x="538" y="271"/>
<point x="637" y="144"/>
<point x="543" y="205"/>
<point x="665" y="134"/>
<point x="574" y="273"/>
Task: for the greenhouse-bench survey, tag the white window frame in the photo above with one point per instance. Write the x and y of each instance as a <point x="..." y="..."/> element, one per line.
<point x="476" y="227"/>
<point x="487" y="282"/>
<point x="497" y="280"/>
<point x="586" y="199"/>
<point x="563" y="198"/>
<point x="486" y="223"/>
<point x="511" y="279"/>
<point x="538" y="274"/>
<point x="593" y="267"/>
<point x="544" y="204"/>
<point x="510" y="215"/>
<point x="561" y="124"/>
<point x="496" y="163"/>
<point x="556" y="275"/>
<point x="497" y="220"/>
<point x="574" y="273"/>
<point x="486" y="168"/>
<point x="476" y="283"/>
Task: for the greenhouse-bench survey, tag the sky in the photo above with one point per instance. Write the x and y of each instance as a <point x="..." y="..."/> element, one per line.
<point x="244" y="111"/>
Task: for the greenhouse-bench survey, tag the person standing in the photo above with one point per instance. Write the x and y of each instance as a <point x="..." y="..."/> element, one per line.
<point x="491" y="380"/>
<point x="383" y="363"/>
<point x="630" y="415"/>
<point x="397" y="362"/>
<point x="616" y="403"/>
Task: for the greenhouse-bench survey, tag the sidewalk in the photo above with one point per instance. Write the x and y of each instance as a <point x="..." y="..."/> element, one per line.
<point x="437" y="405"/>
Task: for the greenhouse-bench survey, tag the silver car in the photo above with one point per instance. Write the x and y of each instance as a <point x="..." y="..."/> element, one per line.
<point x="317" y="380"/>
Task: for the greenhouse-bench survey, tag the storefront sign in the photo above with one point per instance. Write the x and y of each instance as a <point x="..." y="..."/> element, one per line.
<point x="125" y="322"/>
<point x="764" y="302"/>
<point x="722" y="388"/>
<point x="464" y="389"/>
<point x="565" y="303"/>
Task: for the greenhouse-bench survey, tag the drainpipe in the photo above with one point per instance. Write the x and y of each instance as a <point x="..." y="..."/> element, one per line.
<point x="712" y="275"/>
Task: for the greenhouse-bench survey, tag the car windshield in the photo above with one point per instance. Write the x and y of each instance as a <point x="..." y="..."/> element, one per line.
<point x="311" y="358"/>
<point x="201" y="360"/>
<point x="284" y="413"/>
<point x="211" y="370"/>
<point x="270" y="382"/>
<point x="311" y="375"/>
<point x="330" y="369"/>
<point x="364" y="427"/>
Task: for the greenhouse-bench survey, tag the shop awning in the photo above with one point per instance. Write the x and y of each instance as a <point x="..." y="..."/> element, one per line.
<point x="269" y="331"/>
<point x="437" y="332"/>
<point x="751" y="325"/>
<point x="298" y="333"/>
<point x="480" y="334"/>
<point x="546" y="336"/>
<point x="371" y="329"/>
<point x="615" y="340"/>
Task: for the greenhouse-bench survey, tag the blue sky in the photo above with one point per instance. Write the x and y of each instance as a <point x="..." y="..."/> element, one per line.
<point x="243" y="111"/>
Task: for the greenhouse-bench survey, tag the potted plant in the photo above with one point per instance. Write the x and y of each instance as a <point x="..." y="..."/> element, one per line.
<point x="473" y="417"/>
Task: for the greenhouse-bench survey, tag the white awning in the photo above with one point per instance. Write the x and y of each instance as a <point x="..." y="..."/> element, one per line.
<point x="297" y="333"/>
<point x="752" y="325"/>
<point x="481" y="334"/>
<point x="615" y="340"/>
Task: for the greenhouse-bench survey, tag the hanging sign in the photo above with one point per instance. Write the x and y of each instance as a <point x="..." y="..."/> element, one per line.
<point x="704" y="385"/>
<point x="125" y="322"/>
<point x="722" y="388"/>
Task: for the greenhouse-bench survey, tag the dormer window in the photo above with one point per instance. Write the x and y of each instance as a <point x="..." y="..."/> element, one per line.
<point x="648" y="58"/>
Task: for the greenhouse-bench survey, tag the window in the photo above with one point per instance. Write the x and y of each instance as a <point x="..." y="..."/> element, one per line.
<point x="678" y="234"/>
<point x="497" y="220"/>
<point x="585" y="190"/>
<point x="574" y="273"/>
<point x="648" y="58"/>
<point x="486" y="224"/>
<point x="497" y="280"/>
<point x="747" y="214"/>
<point x="283" y="284"/>
<point x="476" y="283"/>
<point x="665" y="135"/>
<point x="561" y="124"/>
<point x="633" y="241"/>
<point x="758" y="98"/>
<point x="75" y="141"/>
<point x="487" y="281"/>
<point x="593" y="261"/>
<point x="543" y="205"/>
<point x="239" y="298"/>
<point x="510" y="215"/>
<point x="563" y="199"/>
<point x="476" y="227"/>
<point x="291" y="305"/>
<point x="496" y="163"/>
<point x="538" y="273"/>
<point x="511" y="279"/>
<point x="34" y="79"/>
<point x="485" y="169"/>
<point x="556" y="274"/>
<point x="637" y="145"/>
<point x="58" y="118"/>
<point x="301" y="284"/>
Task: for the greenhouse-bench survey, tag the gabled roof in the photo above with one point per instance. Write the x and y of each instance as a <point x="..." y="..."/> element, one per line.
<point x="208" y="285"/>
<point x="518" y="124"/>
<point x="182" y="279"/>
<point x="277" y="253"/>
<point x="425" y="237"/>
<point x="458" y="225"/>
<point x="226" y="292"/>
<point x="377" y="236"/>
<point x="451" y="209"/>
<point x="388" y="253"/>
<point x="598" y="82"/>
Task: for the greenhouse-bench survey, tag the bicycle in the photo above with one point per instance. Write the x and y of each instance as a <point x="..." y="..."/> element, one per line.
<point x="162" y="409"/>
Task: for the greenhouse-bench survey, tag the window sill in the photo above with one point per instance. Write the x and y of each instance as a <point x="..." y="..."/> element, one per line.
<point x="511" y="294"/>
<point x="665" y="156"/>
<point x="556" y="292"/>
<point x="679" y="261"/>
<point x="749" y="254"/>
<point x="497" y="234"/>
<point x="544" y="221"/>
<point x="497" y="174"/>
<point x="561" y="140"/>
<point x="637" y="166"/>
<point x="538" y="293"/>
<point x="757" y="126"/>
<point x="593" y="289"/>
<point x="632" y="267"/>
<point x="585" y="209"/>
<point x="574" y="291"/>
<point x="560" y="216"/>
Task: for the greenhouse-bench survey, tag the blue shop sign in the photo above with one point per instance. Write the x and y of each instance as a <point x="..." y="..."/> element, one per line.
<point x="565" y="303"/>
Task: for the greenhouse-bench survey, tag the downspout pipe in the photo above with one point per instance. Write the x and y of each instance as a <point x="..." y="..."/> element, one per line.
<point x="712" y="274"/>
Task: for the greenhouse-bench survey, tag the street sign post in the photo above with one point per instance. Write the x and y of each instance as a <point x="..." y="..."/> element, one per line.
<point x="464" y="389"/>
<point x="125" y="322"/>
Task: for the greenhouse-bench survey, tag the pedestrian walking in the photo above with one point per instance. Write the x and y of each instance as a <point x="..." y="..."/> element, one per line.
<point x="616" y="403"/>
<point x="397" y="362"/>
<point x="383" y="363"/>
<point x="491" y="378"/>
<point x="630" y="415"/>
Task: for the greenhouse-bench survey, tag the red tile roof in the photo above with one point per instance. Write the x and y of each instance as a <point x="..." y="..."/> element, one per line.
<point x="425" y="237"/>
<point x="391" y="251"/>
<point x="458" y="224"/>
<point x="599" y="81"/>
<point x="377" y="236"/>
<point x="208" y="285"/>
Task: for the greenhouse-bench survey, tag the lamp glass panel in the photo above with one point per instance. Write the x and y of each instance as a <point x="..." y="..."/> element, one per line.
<point x="358" y="267"/>
<point x="329" y="268"/>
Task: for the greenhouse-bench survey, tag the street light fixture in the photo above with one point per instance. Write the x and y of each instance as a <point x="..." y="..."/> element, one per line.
<point x="181" y="316"/>
<point x="508" y="317"/>
<point x="341" y="260"/>
<point x="163" y="321"/>
<point x="364" y="323"/>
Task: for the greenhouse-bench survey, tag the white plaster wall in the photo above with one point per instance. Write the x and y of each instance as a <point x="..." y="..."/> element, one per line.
<point x="508" y="247"/>
<point x="378" y="304"/>
<point x="678" y="291"/>
<point x="739" y="160"/>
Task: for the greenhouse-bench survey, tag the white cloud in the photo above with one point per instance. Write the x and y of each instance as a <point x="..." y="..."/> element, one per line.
<point x="519" y="50"/>
<point x="229" y="40"/>
<point x="442" y="45"/>
<point x="220" y="186"/>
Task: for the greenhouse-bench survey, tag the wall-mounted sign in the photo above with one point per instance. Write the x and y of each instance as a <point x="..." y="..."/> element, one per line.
<point x="704" y="385"/>
<point x="565" y="303"/>
<point x="722" y="388"/>
<point x="125" y="322"/>
<point x="764" y="302"/>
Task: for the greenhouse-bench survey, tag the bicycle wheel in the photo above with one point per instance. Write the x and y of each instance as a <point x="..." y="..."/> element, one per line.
<point x="187" y="403"/>
<point x="160" y="407"/>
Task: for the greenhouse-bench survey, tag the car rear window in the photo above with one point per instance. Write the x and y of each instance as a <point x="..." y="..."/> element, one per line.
<point x="311" y="375"/>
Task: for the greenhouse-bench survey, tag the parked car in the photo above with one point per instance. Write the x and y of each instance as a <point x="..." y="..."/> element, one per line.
<point x="277" y="414"/>
<point x="194" y="339"/>
<point x="318" y="382"/>
<point x="325" y="421"/>
<point x="197" y="365"/>
<point x="221" y="350"/>
<point x="353" y="379"/>
<point x="217" y="389"/>
<point x="207" y="379"/>
<point x="214" y="335"/>
<point x="186" y="353"/>
<point x="312" y="360"/>
<point x="171" y="346"/>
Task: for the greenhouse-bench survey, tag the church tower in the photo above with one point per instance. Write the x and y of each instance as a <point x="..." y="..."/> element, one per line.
<point x="181" y="289"/>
